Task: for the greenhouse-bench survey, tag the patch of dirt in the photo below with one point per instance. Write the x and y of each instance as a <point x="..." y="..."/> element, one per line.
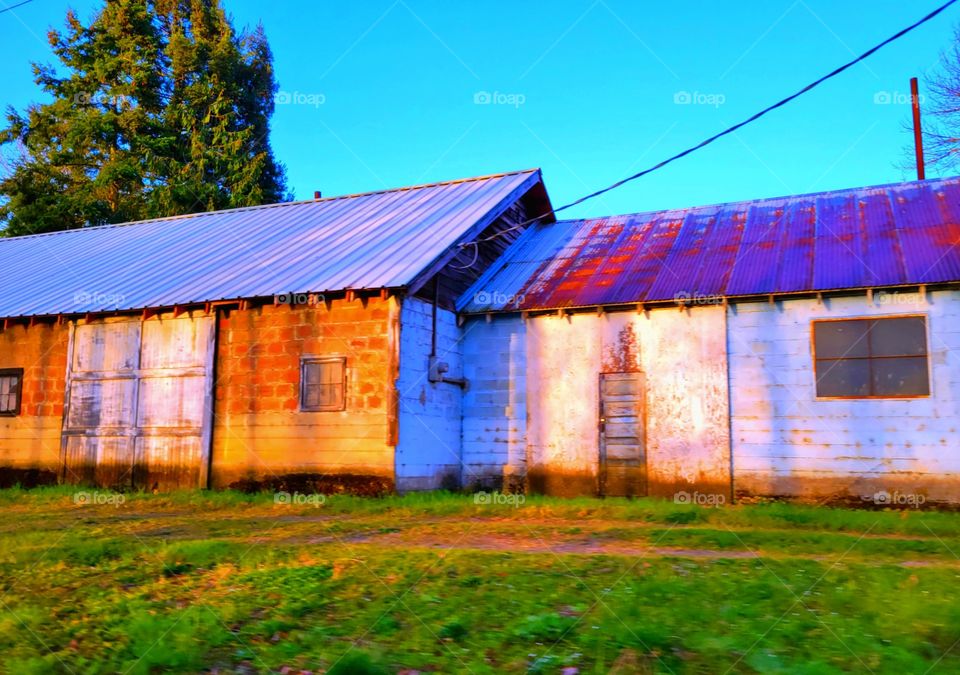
<point x="527" y="544"/>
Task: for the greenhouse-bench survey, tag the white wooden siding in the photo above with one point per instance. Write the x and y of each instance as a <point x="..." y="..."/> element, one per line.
<point x="785" y="441"/>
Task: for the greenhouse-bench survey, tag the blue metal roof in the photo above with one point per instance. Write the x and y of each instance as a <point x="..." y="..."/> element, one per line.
<point x="366" y="241"/>
<point x="892" y="235"/>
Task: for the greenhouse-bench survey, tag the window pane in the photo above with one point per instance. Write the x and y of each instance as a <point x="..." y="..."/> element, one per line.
<point x="311" y="372"/>
<point x="845" y="377"/>
<point x="332" y="372"/>
<point x="836" y="339"/>
<point x="8" y="393"/>
<point x="323" y="384"/>
<point x="901" y="377"/>
<point x="311" y="395"/>
<point x="899" y="337"/>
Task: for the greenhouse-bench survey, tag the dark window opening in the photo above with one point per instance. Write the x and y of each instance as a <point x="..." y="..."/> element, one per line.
<point x="871" y="358"/>
<point x="11" y="388"/>
<point x="323" y="384"/>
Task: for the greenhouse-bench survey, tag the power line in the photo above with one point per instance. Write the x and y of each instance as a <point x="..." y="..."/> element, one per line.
<point x="728" y="130"/>
<point x="21" y="4"/>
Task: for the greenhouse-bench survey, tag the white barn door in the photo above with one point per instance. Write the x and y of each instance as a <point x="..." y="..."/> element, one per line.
<point x="138" y="403"/>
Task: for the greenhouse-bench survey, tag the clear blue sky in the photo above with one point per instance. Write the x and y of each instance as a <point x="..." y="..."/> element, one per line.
<point x="382" y="92"/>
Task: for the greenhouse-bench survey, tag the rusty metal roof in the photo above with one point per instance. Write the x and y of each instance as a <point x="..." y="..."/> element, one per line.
<point x="365" y="241"/>
<point x="890" y="235"/>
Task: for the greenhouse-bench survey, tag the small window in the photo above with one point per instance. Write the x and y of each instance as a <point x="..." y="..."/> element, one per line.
<point x="11" y="387"/>
<point x="323" y="384"/>
<point x="871" y="358"/>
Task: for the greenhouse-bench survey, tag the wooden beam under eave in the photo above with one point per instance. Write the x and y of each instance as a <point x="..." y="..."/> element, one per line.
<point x="490" y="217"/>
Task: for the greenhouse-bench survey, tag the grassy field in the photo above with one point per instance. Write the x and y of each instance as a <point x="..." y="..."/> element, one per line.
<point x="224" y="582"/>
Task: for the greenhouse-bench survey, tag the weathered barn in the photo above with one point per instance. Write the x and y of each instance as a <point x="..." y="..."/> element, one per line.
<point x="806" y="345"/>
<point x="279" y="343"/>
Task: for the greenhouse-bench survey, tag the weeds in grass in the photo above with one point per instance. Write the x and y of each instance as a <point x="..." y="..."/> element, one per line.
<point x="234" y="583"/>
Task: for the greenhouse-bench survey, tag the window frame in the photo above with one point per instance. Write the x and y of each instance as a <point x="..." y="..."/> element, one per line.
<point x="18" y="373"/>
<point x="883" y="397"/>
<point x="306" y="361"/>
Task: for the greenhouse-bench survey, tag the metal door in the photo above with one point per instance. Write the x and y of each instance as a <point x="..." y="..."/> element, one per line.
<point x="138" y="403"/>
<point x="623" y="470"/>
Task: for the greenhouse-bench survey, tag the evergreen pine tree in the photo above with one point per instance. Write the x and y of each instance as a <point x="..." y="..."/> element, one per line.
<point x="164" y="109"/>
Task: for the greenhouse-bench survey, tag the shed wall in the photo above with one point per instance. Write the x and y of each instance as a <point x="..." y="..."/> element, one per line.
<point x="429" y="452"/>
<point x="259" y="432"/>
<point x="552" y="412"/>
<point x="683" y="357"/>
<point x="786" y="442"/>
<point x="30" y="442"/>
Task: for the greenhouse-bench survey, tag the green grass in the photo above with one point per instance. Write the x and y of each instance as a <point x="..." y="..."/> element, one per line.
<point x="194" y="582"/>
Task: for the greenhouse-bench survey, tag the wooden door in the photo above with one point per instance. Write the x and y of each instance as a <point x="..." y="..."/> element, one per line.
<point x="174" y="403"/>
<point x="138" y="403"/>
<point x="623" y="470"/>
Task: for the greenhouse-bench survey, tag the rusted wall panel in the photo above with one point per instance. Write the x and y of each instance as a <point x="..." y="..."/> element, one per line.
<point x="259" y="432"/>
<point x="563" y="366"/>
<point x="786" y="442"/>
<point x="30" y="442"/>
<point x="683" y="358"/>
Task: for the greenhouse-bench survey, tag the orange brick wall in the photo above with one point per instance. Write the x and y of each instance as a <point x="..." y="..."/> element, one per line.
<point x="31" y="441"/>
<point x="259" y="433"/>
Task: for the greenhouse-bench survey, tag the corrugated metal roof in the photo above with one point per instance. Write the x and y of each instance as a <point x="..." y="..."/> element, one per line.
<point x="891" y="235"/>
<point x="365" y="241"/>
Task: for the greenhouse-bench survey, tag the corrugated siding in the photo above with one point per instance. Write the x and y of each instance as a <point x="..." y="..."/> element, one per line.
<point x="375" y="240"/>
<point x="892" y="235"/>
